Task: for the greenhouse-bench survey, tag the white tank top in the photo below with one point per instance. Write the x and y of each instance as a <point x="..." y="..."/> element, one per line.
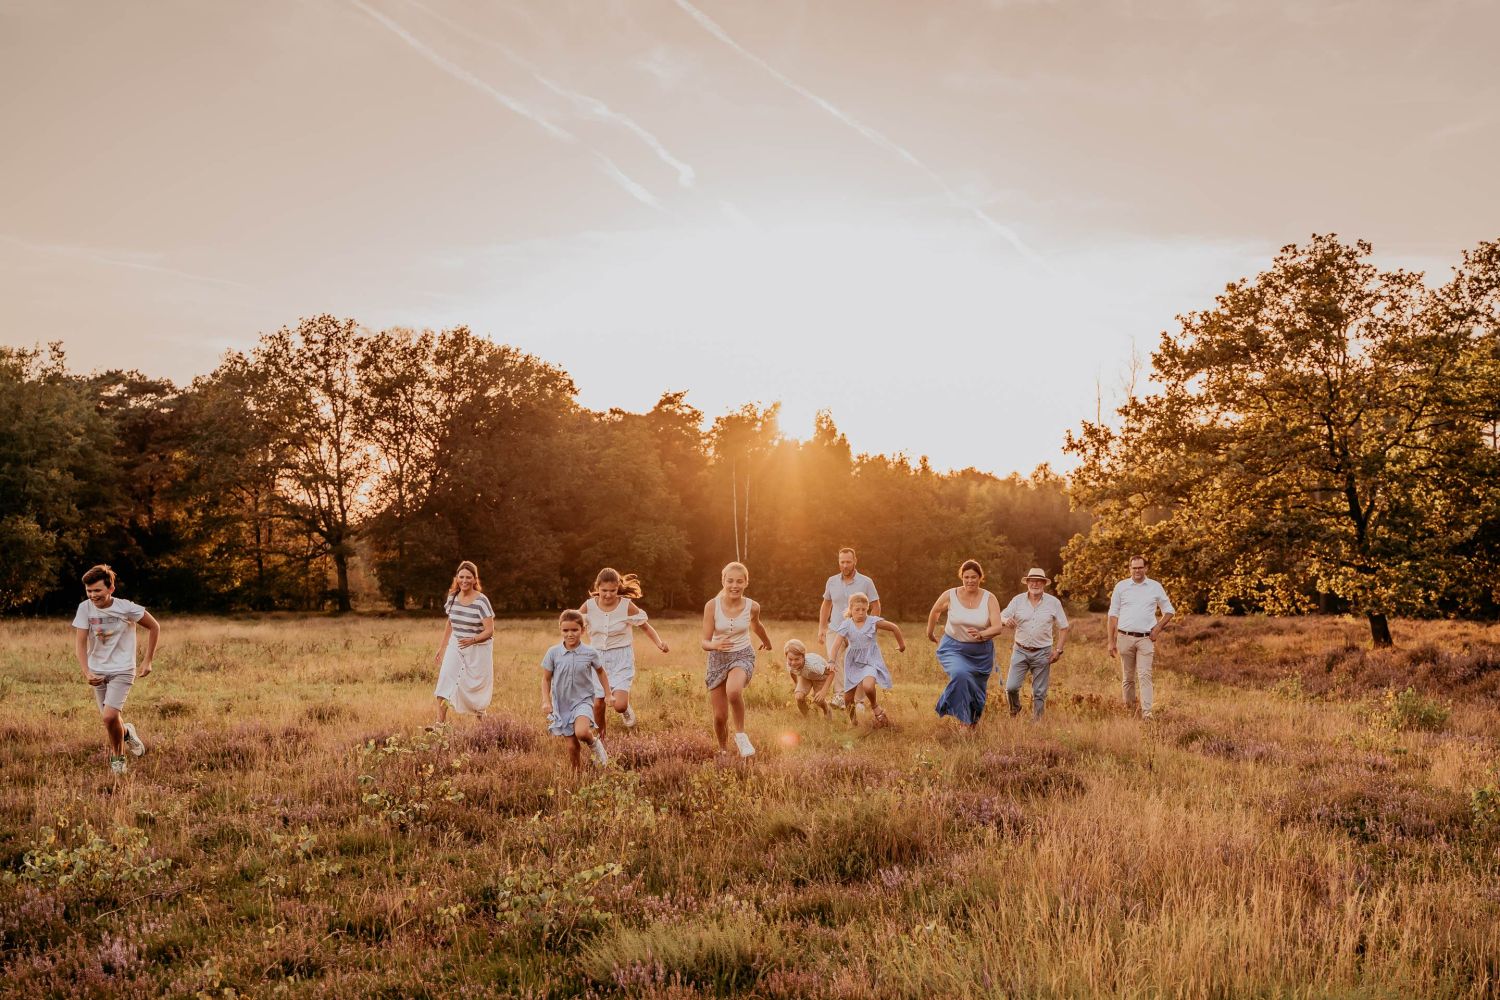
<point x="611" y="629"/>
<point x="960" y="617"/>
<point x="736" y="629"/>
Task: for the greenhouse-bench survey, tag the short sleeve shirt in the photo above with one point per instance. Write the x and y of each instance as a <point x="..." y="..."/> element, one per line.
<point x="1136" y="604"/>
<point x="1034" y="624"/>
<point x="468" y="619"/>
<point x="837" y="590"/>
<point x="111" y="634"/>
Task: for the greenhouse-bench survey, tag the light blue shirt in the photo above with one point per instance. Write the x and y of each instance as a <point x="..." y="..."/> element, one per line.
<point x="838" y="590"/>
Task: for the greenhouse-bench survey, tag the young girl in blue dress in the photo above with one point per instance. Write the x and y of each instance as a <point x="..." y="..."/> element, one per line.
<point x="570" y="670"/>
<point x="864" y="667"/>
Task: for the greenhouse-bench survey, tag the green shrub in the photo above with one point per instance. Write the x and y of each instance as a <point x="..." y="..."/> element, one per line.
<point x="1407" y="711"/>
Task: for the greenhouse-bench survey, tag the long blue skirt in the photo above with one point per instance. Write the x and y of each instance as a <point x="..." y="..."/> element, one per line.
<point x="968" y="666"/>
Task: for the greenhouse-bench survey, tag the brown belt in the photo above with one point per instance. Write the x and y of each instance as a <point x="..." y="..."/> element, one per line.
<point x="1137" y="635"/>
<point x="1032" y="649"/>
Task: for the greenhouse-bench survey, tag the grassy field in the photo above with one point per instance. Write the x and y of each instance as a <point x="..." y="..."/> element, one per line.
<point x="1294" y="823"/>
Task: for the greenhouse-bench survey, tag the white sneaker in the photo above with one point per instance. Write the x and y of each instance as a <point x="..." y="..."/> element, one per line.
<point x="117" y="764"/>
<point x="600" y="754"/>
<point x="132" y="741"/>
<point x="837" y="701"/>
<point x="743" y="743"/>
<point x="629" y="717"/>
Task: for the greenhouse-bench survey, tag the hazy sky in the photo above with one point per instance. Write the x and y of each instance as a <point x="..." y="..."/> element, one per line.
<point x="945" y="222"/>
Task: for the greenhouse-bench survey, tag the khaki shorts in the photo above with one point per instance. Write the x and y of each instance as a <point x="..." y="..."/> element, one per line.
<point x="111" y="694"/>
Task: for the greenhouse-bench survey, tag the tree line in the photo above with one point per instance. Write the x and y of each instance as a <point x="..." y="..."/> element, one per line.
<point x="1324" y="437"/>
<point x="264" y="483"/>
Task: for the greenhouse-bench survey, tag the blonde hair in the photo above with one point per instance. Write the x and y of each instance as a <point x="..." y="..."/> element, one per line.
<point x="796" y="644"/>
<point x="853" y="600"/>
<point x="465" y="565"/>
<point x="738" y="566"/>
<point x="629" y="583"/>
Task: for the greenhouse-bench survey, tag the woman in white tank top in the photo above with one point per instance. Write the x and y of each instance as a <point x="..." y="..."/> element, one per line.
<point x="967" y="650"/>
<point x="728" y="620"/>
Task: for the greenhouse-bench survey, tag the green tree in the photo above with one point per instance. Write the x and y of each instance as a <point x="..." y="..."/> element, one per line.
<point x="56" y="472"/>
<point x="1309" y="434"/>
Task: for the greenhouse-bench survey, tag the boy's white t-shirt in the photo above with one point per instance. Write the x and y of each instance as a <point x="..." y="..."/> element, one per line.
<point x="111" y="634"/>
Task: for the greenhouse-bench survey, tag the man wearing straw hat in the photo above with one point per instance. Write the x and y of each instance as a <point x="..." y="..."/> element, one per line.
<point x="1033" y="615"/>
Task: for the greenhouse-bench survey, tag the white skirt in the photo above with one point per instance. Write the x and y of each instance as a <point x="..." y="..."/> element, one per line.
<point x="619" y="667"/>
<point x="467" y="678"/>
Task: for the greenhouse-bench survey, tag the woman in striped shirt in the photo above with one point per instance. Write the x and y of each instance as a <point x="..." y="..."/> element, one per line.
<point x="466" y="661"/>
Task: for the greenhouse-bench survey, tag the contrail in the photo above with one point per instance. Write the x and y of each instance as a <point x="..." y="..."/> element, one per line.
<point x="106" y="257"/>
<point x="880" y="139"/>
<point x="590" y="106"/>
<point x="456" y="71"/>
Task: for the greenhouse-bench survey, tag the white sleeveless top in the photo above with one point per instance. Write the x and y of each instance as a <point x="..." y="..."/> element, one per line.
<point x="960" y="617"/>
<point x="736" y="629"/>
<point x="611" y="629"/>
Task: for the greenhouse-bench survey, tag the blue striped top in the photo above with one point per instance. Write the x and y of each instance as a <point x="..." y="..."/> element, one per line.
<point x="468" y="619"/>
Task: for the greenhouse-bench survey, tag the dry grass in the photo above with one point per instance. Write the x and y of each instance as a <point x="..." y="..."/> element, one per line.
<point x="1275" y="832"/>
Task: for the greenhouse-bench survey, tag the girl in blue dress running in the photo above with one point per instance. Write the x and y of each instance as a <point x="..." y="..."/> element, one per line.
<point x="864" y="667"/>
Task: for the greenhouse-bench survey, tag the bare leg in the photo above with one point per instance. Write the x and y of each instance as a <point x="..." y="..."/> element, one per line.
<point x="114" y="730"/>
<point x="718" y="701"/>
<point x="621" y="700"/>
<point x="599" y="714"/>
<point x="575" y="753"/>
<point x="734" y="690"/>
<point x="442" y="710"/>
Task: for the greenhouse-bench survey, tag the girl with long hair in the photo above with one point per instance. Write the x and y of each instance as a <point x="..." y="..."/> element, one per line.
<point x="611" y="613"/>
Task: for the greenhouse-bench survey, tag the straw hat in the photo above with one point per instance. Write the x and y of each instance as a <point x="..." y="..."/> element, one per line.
<point x="1035" y="573"/>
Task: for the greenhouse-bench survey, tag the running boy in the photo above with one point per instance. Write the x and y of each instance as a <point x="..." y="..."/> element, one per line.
<point x="104" y="642"/>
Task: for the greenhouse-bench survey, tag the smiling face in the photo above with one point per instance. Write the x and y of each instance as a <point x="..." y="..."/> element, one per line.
<point x="572" y="634"/>
<point x="1138" y="569"/>
<point x="795" y="658"/>
<point x="735" y="583"/>
<point x="971" y="579"/>
<point x="1034" y="587"/>
<point x="100" y="592"/>
<point x="465" y="582"/>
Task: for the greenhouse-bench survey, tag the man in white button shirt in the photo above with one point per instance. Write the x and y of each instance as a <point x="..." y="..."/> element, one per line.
<point x="835" y="601"/>
<point x="1033" y="615"/>
<point x="1133" y="628"/>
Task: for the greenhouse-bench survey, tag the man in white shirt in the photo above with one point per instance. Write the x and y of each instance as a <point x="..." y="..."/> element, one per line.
<point x="835" y="602"/>
<point x="1033" y="615"/>
<point x="1133" y="627"/>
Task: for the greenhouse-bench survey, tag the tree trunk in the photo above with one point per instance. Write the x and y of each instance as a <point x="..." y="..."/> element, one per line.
<point x="1380" y="631"/>
<point x="341" y="565"/>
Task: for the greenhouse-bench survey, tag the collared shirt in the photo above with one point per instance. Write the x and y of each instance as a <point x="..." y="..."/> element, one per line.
<point x="1136" y="604"/>
<point x="1034" y="624"/>
<point x="838" y="590"/>
<point x="573" y="674"/>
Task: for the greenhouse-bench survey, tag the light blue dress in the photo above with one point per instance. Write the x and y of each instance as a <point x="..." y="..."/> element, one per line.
<point x="863" y="658"/>
<point x="572" y="686"/>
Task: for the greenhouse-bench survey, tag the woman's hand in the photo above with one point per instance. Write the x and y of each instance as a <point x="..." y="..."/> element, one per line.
<point x="466" y="642"/>
<point x="974" y="634"/>
<point x="930" y="637"/>
<point x="437" y="658"/>
<point x="663" y="647"/>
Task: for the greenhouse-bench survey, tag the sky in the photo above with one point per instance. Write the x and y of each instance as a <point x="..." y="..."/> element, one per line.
<point x="951" y="224"/>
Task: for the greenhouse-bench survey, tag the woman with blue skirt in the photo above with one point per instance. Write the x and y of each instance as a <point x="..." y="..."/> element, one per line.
<point x="967" y="651"/>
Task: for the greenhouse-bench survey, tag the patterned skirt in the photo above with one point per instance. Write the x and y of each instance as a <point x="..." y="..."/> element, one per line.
<point x="720" y="663"/>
